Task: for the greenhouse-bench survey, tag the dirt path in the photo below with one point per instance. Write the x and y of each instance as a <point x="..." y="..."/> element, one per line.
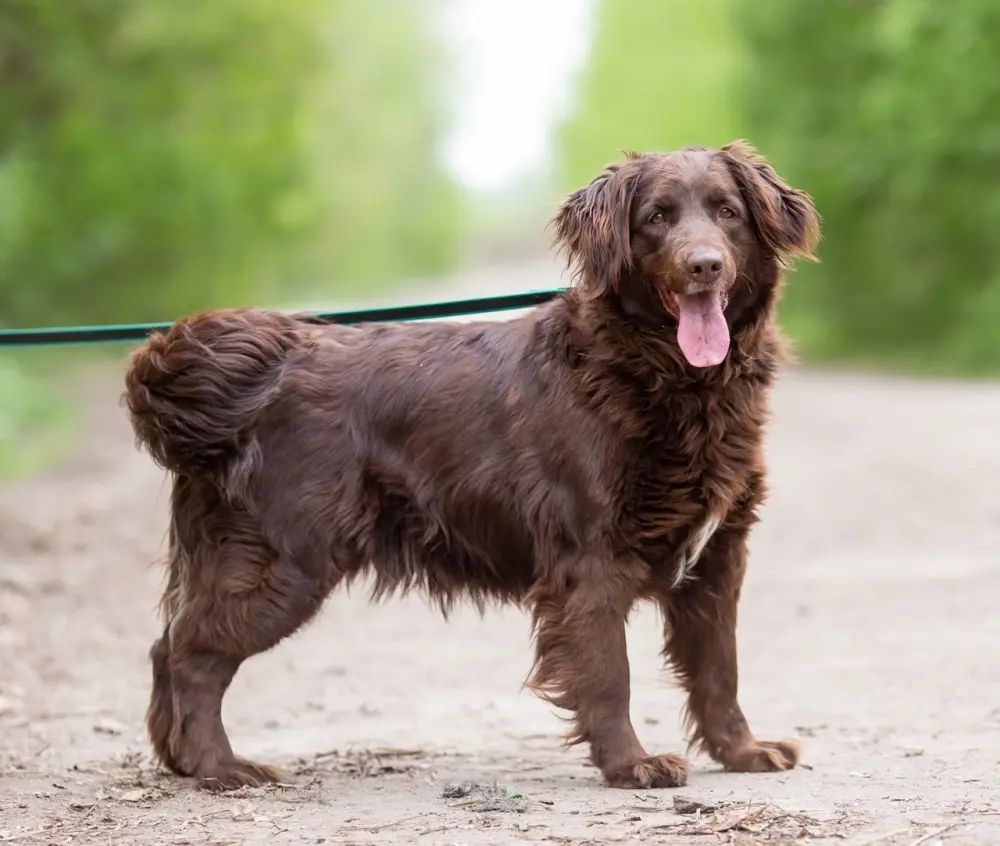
<point x="868" y="629"/>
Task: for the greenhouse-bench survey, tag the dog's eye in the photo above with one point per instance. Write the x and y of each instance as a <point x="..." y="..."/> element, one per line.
<point x="657" y="218"/>
<point x="727" y="213"/>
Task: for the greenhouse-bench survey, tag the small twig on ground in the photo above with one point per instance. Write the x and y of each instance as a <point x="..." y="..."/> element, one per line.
<point x="881" y="838"/>
<point x="38" y="832"/>
<point x="437" y="830"/>
<point x="924" y="838"/>
<point x="24" y="835"/>
<point x="45" y="748"/>
<point x="375" y="829"/>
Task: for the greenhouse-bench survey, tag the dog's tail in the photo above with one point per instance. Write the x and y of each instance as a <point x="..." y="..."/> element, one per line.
<point x="194" y="393"/>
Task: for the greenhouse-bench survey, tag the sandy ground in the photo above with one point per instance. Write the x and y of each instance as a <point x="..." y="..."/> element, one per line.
<point x="868" y="630"/>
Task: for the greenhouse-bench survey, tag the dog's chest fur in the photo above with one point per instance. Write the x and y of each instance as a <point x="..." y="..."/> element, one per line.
<point x="695" y="476"/>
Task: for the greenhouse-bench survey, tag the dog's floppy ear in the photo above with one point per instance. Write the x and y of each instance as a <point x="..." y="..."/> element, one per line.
<point x="592" y="228"/>
<point x="785" y="218"/>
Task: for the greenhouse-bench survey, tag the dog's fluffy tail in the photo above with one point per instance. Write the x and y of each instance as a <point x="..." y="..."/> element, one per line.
<point x="194" y="393"/>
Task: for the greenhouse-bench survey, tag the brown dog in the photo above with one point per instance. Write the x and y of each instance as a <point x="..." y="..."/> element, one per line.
<point x="602" y="449"/>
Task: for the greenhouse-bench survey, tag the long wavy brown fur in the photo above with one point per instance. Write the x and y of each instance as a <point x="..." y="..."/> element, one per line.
<point x="570" y="460"/>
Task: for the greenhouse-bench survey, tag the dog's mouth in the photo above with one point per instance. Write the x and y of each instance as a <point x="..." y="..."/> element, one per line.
<point x="702" y="331"/>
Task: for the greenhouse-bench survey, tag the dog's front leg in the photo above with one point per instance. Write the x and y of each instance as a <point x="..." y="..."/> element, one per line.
<point x="581" y="664"/>
<point x="700" y="645"/>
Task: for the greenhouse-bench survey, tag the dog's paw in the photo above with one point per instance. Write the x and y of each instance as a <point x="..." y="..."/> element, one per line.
<point x="764" y="756"/>
<point x="237" y="773"/>
<point x="655" y="771"/>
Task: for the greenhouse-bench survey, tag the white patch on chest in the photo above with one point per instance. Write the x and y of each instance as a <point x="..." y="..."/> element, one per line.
<point x="695" y="547"/>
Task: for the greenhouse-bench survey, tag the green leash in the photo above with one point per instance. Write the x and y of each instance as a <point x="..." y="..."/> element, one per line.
<point x="114" y="333"/>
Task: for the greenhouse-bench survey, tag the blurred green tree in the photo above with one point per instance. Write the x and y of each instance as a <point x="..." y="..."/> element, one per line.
<point x="158" y="156"/>
<point x="659" y="77"/>
<point x="889" y="113"/>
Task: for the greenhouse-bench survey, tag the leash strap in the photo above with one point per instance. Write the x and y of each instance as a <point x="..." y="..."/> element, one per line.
<point x="113" y="333"/>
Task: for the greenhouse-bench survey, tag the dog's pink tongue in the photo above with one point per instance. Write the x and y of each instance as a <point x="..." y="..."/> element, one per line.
<point x="702" y="331"/>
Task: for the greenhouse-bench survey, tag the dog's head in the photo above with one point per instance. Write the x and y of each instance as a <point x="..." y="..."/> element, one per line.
<point x="686" y="228"/>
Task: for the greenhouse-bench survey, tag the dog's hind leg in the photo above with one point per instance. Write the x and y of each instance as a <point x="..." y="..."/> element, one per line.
<point x="242" y="600"/>
<point x="160" y="714"/>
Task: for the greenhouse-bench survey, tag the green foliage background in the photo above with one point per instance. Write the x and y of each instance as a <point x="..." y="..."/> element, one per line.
<point x="890" y="113"/>
<point x="660" y="76"/>
<point x="157" y="157"/>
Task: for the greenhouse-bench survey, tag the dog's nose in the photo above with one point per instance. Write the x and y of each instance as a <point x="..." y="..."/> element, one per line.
<point x="704" y="266"/>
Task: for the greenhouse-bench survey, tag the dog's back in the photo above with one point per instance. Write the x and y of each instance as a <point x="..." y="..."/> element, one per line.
<point x="422" y="451"/>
